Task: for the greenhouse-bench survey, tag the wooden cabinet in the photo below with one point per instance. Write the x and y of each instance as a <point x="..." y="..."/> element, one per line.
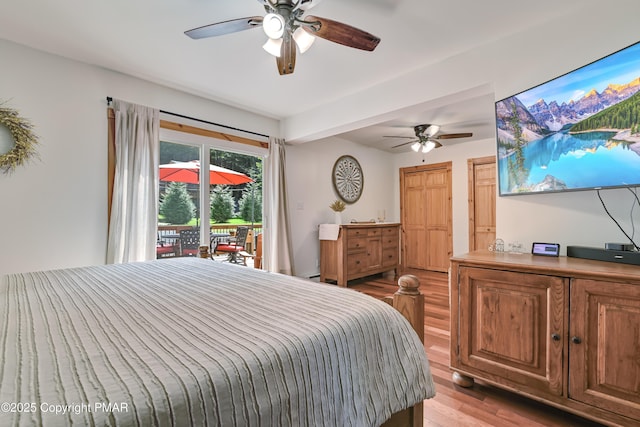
<point x="565" y="331"/>
<point x="604" y="345"/>
<point x="360" y="250"/>
<point x="505" y="320"/>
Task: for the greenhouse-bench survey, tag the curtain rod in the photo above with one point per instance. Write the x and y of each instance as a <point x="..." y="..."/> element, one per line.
<point x="110" y="99"/>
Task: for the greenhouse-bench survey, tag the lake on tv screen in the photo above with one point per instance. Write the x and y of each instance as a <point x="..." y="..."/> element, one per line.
<point x="564" y="161"/>
<point x="578" y="131"/>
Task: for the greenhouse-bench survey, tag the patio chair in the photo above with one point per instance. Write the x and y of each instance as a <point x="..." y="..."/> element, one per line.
<point x="190" y="242"/>
<point x="234" y="248"/>
<point x="165" y="249"/>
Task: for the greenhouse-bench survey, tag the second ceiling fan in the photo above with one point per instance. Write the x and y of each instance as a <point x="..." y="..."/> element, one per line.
<point x="286" y="29"/>
<point x="426" y="138"/>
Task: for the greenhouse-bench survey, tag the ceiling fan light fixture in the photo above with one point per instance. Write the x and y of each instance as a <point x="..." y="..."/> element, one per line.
<point x="433" y="129"/>
<point x="303" y="39"/>
<point x="273" y="25"/>
<point x="430" y="145"/>
<point x="281" y="20"/>
<point x="274" y="47"/>
<point x="306" y="4"/>
<point x="416" y="146"/>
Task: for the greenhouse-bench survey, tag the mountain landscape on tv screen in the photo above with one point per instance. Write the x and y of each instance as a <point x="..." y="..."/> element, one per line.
<point x="591" y="141"/>
<point x="543" y="117"/>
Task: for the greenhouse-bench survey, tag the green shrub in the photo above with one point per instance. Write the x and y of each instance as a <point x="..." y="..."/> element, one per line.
<point x="251" y="203"/>
<point x="176" y="205"/>
<point x="222" y="203"/>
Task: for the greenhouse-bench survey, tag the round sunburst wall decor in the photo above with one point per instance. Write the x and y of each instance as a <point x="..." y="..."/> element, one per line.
<point x="24" y="140"/>
<point x="348" y="179"/>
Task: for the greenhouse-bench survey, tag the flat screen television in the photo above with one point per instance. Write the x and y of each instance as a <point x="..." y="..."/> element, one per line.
<point x="578" y="131"/>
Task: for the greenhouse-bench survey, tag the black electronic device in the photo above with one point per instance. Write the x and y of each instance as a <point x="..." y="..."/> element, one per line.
<point x="609" y="255"/>
<point x="546" y="249"/>
<point x="619" y="246"/>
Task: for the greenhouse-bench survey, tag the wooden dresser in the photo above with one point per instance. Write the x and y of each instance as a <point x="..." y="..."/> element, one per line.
<point x="360" y="250"/>
<point x="565" y="331"/>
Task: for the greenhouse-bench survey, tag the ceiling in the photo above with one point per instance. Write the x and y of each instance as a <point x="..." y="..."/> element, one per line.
<point x="145" y="38"/>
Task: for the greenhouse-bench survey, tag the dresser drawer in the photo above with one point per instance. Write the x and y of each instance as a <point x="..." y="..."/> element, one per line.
<point x="389" y="231"/>
<point x="390" y="241"/>
<point x="389" y="256"/>
<point x="354" y="233"/>
<point x="357" y="263"/>
<point x="374" y="232"/>
<point x="356" y="243"/>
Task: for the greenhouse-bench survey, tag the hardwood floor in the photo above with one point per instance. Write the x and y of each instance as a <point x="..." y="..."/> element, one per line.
<point x="481" y="405"/>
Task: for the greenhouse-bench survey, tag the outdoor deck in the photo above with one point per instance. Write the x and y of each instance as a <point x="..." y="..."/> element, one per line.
<point x="169" y="244"/>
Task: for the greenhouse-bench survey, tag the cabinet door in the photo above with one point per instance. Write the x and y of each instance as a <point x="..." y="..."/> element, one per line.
<point x="604" y="353"/>
<point x="507" y="321"/>
<point x="374" y="253"/>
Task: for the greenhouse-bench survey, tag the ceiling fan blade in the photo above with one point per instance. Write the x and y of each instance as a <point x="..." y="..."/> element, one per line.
<point x="397" y="136"/>
<point x="287" y="59"/>
<point x="454" y="135"/>
<point x="225" y="27"/>
<point x="405" y="143"/>
<point x="340" y="33"/>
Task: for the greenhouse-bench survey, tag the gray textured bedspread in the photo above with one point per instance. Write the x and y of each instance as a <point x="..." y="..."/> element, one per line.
<point x="195" y="342"/>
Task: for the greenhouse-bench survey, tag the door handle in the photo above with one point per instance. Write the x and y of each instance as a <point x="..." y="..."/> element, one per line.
<point x="576" y="340"/>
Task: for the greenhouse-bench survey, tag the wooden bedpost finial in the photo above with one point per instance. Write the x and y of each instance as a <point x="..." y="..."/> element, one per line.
<point x="409" y="285"/>
<point x="409" y="301"/>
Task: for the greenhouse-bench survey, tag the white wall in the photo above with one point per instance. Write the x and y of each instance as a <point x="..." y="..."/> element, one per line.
<point x="508" y="66"/>
<point x="573" y="218"/>
<point x="310" y="190"/>
<point x="53" y="212"/>
<point x="503" y="68"/>
<point x="457" y="153"/>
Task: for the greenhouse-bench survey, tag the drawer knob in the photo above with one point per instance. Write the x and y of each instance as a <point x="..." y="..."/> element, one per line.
<point x="555" y="337"/>
<point x="576" y="340"/>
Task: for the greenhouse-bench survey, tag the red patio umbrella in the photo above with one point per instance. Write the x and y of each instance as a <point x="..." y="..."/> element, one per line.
<point x="189" y="172"/>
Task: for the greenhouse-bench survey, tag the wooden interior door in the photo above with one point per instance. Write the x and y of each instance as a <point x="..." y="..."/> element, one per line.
<point x="482" y="202"/>
<point x="425" y="205"/>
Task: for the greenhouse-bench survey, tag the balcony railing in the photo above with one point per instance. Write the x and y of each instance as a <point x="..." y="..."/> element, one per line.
<point x="168" y="236"/>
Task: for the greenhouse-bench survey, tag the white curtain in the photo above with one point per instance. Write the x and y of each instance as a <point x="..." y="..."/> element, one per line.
<point x="134" y="209"/>
<point x="277" y="253"/>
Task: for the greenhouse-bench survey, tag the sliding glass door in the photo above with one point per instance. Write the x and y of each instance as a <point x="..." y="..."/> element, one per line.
<point x="195" y="207"/>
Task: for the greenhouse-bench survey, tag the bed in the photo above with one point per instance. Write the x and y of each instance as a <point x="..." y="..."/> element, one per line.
<point x="189" y="341"/>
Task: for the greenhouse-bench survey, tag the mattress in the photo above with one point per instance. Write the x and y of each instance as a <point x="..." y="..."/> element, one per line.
<point x="189" y="341"/>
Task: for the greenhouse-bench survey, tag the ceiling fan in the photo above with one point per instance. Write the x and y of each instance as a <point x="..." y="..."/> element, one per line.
<point x="286" y="29"/>
<point x="426" y="135"/>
